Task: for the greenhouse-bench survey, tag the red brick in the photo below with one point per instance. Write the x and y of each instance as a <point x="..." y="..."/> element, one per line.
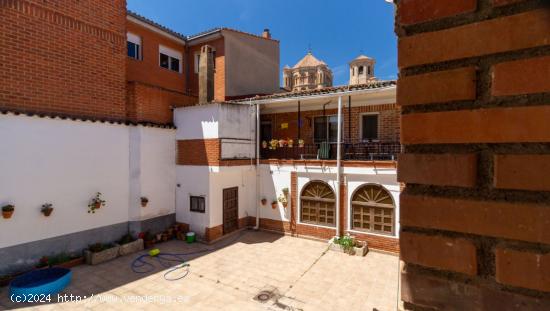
<point x="459" y="170"/>
<point x="518" y="221"/>
<point x="522" y="172"/>
<point x="494" y="125"/>
<point x="523" y="269"/>
<point x="438" y="293"/>
<point x="458" y="255"/>
<point x="524" y="76"/>
<point x="417" y="11"/>
<point x="520" y="31"/>
<point x="198" y="152"/>
<point x="436" y="87"/>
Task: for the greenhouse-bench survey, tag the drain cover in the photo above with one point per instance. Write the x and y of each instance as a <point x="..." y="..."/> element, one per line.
<point x="263" y="296"/>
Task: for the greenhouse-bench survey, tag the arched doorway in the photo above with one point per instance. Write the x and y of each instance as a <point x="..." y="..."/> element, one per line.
<point x="373" y="210"/>
<point x="318" y="204"/>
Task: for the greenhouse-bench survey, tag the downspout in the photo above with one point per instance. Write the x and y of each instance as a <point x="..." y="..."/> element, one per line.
<point x="338" y="168"/>
<point x="257" y="166"/>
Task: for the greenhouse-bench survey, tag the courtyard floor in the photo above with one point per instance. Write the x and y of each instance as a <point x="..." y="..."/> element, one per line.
<point x="295" y="273"/>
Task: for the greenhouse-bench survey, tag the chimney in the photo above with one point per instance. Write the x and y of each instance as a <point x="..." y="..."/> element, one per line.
<point x="266" y="34"/>
<point x="206" y="75"/>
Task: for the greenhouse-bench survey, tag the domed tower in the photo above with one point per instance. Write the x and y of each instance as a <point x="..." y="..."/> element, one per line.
<point x="361" y="70"/>
<point x="309" y="73"/>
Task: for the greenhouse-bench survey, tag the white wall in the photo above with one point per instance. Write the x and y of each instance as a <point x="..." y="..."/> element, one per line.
<point x="192" y="181"/>
<point x="66" y="162"/>
<point x="197" y="122"/>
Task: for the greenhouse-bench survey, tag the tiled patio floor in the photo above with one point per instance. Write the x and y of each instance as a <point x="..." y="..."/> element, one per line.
<point x="301" y="273"/>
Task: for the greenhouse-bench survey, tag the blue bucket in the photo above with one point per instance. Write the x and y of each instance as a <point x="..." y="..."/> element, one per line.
<point x="41" y="282"/>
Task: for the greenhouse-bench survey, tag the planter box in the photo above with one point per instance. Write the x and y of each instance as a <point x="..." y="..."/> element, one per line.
<point x="99" y="257"/>
<point x="357" y="251"/>
<point x="131" y="247"/>
<point x="71" y="263"/>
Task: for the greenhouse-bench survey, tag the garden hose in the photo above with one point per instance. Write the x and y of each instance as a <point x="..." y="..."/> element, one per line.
<point x="142" y="265"/>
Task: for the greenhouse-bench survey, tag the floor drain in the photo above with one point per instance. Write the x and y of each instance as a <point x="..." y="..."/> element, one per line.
<point x="263" y="296"/>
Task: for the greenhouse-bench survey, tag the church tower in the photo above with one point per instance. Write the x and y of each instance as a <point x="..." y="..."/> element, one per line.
<point x="361" y="70"/>
<point x="308" y="74"/>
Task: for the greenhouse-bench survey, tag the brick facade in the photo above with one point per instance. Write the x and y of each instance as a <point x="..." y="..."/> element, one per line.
<point x="47" y="63"/>
<point x="473" y="90"/>
<point x="205" y="152"/>
<point x="388" y="122"/>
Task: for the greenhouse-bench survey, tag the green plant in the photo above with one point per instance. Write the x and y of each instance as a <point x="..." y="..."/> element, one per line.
<point x="125" y="239"/>
<point x="58" y="259"/>
<point x="346" y="242"/>
<point x="8" y="208"/>
<point x="285" y="191"/>
<point x="98" y="247"/>
<point x="96" y="203"/>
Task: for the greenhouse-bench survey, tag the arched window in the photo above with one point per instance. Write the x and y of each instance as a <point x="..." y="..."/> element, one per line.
<point x="361" y="70"/>
<point x="373" y="210"/>
<point x="318" y="204"/>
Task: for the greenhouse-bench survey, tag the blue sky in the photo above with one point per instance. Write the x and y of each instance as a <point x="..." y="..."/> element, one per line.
<point x="337" y="30"/>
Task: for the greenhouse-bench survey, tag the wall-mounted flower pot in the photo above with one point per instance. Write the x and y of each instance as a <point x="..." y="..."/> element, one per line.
<point x="94" y="258"/>
<point x="47" y="211"/>
<point x="144" y="201"/>
<point x="130" y="248"/>
<point x="274" y="205"/>
<point x="264" y="201"/>
<point x="7" y="214"/>
<point x="285" y="204"/>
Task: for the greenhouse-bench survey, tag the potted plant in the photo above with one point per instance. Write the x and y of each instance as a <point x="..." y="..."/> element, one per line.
<point x="274" y="204"/>
<point x="282" y="143"/>
<point x="47" y="209"/>
<point x="290" y="142"/>
<point x="273" y="144"/>
<point x="264" y="144"/>
<point x="98" y="253"/>
<point x="348" y="245"/>
<point x="7" y="211"/>
<point x="264" y="201"/>
<point x="282" y="198"/>
<point x="129" y="244"/>
<point x="96" y="203"/>
<point x="62" y="260"/>
<point x="300" y="143"/>
<point x="144" y="201"/>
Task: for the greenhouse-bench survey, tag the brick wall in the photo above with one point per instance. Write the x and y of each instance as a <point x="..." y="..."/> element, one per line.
<point x="474" y="90"/>
<point x="63" y="57"/>
<point x="147" y="70"/>
<point x="148" y="103"/>
<point x="388" y="122"/>
<point x="204" y="152"/>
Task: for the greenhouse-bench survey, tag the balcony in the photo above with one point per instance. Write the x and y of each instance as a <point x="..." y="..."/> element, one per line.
<point x="356" y="151"/>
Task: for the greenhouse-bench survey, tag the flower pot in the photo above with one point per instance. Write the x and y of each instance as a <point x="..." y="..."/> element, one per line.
<point x="300" y="145"/>
<point x="47" y="211"/>
<point x="7" y="214"/>
<point x="159" y="236"/>
<point x="131" y="247"/>
<point x="264" y="144"/>
<point x="274" y="205"/>
<point x="71" y="263"/>
<point x="144" y="203"/>
<point x="264" y="201"/>
<point x="164" y="237"/>
<point x="94" y="258"/>
<point x="359" y="250"/>
<point x="97" y="205"/>
<point x="285" y="204"/>
<point x="281" y="144"/>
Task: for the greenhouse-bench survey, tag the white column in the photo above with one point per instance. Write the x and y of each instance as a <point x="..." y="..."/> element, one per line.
<point x="338" y="165"/>
<point x="258" y="190"/>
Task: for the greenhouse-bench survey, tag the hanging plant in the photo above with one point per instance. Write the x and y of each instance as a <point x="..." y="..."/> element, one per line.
<point x="144" y="201"/>
<point x="273" y="144"/>
<point x="96" y="203"/>
<point x="264" y="144"/>
<point x="47" y="209"/>
<point x="290" y="143"/>
<point x="7" y="211"/>
<point x="300" y="143"/>
<point x="274" y="204"/>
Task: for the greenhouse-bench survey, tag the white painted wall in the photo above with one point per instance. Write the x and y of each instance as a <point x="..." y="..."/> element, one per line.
<point x="197" y="122"/>
<point x="66" y="162"/>
<point x="192" y="181"/>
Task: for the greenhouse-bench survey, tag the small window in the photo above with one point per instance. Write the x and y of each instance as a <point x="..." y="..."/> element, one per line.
<point x="164" y="61"/>
<point x="197" y="204"/>
<point x="133" y="50"/>
<point x="170" y="59"/>
<point x="361" y="70"/>
<point x="369" y="70"/>
<point x="133" y="42"/>
<point x="370" y="127"/>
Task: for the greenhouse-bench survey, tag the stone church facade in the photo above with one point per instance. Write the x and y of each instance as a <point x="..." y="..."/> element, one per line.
<point x="308" y="74"/>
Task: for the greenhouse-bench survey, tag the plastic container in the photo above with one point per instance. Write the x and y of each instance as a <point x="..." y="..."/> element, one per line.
<point x="48" y="281"/>
<point x="190" y="237"/>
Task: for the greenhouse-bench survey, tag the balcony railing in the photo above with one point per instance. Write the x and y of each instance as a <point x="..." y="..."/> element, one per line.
<point x="360" y="151"/>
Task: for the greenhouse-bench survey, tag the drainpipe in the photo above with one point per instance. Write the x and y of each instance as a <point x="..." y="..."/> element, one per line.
<point x="338" y="168"/>
<point x="257" y="166"/>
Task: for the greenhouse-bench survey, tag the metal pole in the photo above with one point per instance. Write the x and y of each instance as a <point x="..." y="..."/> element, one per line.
<point x="258" y="190"/>
<point x="338" y="165"/>
<point x="349" y="119"/>
<point x="299" y="122"/>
